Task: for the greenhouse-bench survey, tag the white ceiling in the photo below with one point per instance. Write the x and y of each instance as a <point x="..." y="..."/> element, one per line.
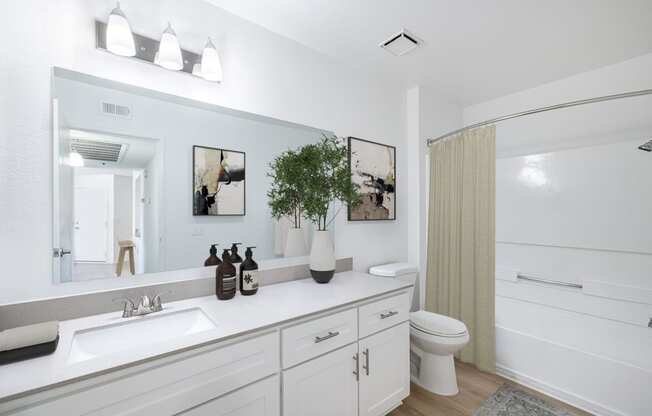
<point x="474" y="50"/>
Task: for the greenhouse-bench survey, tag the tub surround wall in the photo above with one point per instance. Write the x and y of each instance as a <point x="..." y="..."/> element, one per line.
<point x="588" y="347"/>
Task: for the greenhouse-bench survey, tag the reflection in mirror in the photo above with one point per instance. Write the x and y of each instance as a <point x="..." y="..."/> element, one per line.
<point x="105" y="215"/>
<point x="130" y="173"/>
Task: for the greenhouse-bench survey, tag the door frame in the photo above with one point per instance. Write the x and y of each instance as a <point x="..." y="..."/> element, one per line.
<point x="55" y="262"/>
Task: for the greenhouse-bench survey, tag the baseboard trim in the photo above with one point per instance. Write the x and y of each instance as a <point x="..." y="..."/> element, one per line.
<point x="556" y="393"/>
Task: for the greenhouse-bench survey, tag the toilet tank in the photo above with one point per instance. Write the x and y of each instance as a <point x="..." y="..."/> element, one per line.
<point x="404" y="271"/>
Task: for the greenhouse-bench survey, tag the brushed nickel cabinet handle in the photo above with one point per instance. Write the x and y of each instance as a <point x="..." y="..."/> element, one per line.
<point x="356" y="372"/>
<point x="365" y="366"/>
<point x="325" y="337"/>
<point x="388" y="314"/>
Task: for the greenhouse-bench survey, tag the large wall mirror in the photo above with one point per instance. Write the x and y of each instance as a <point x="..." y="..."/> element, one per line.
<point x="146" y="183"/>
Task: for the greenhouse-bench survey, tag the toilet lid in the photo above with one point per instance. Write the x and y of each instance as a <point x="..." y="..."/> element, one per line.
<point x="436" y="324"/>
<point x="393" y="269"/>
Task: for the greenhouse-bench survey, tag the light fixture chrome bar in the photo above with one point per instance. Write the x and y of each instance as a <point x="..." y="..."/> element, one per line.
<point x="548" y="281"/>
<point x="146" y="48"/>
<point x="542" y="110"/>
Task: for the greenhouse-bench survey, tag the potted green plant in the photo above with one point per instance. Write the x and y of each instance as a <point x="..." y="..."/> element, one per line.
<point x="327" y="179"/>
<point x="285" y="198"/>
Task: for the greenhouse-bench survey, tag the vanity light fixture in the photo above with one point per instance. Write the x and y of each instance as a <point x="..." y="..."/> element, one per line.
<point x="165" y="52"/>
<point x="119" y="39"/>
<point x="169" y="51"/>
<point x="211" y="67"/>
<point x="196" y="69"/>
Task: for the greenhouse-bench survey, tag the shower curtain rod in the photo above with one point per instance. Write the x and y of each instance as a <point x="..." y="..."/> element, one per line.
<point x="542" y="110"/>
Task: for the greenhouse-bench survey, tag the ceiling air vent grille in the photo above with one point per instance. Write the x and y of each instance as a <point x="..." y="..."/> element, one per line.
<point x="116" y="110"/>
<point x="101" y="151"/>
<point x="401" y="43"/>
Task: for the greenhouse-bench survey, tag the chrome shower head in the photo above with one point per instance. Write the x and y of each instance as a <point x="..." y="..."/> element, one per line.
<point x="646" y="146"/>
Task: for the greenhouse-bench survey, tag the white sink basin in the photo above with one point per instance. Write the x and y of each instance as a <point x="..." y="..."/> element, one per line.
<point x="137" y="332"/>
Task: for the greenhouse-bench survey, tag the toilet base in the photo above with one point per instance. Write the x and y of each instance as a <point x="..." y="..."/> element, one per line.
<point x="437" y="374"/>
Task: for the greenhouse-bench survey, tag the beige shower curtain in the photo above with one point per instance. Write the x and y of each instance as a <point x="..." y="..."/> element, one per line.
<point x="461" y="238"/>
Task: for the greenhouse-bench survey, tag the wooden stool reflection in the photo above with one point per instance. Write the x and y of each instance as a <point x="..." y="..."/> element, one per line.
<point x="125" y="245"/>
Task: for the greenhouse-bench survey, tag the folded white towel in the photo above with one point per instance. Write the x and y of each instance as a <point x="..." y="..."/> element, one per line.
<point x="26" y="336"/>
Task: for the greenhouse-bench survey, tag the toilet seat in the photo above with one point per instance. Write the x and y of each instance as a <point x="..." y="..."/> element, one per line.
<point x="439" y="325"/>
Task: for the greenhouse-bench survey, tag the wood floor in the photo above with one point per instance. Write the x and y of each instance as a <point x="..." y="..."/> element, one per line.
<point x="475" y="387"/>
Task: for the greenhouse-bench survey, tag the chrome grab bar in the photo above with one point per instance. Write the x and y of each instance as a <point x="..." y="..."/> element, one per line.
<point x="325" y="337"/>
<point x="548" y="281"/>
<point x="388" y="314"/>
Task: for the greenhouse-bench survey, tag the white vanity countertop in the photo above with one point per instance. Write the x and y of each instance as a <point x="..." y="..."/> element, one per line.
<point x="272" y="305"/>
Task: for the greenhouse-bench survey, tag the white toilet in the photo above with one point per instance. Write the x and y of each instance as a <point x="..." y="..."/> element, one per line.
<point x="434" y="338"/>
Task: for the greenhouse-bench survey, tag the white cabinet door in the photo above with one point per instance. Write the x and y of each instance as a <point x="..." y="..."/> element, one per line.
<point x="384" y="370"/>
<point x="258" y="399"/>
<point x="91" y="236"/>
<point x="325" y="386"/>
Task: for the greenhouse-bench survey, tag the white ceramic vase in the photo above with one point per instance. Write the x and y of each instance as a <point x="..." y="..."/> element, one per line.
<point x="295" y="243"/>
<point x="322" y="257"/>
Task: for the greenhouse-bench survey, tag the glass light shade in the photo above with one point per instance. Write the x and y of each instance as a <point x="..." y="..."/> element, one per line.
<point x="169" y="52"/>
<point x="211" y="66"/>
<point x="75" y="159"/>
<point x="196" y="70"/>
<point x="119" y="39"/>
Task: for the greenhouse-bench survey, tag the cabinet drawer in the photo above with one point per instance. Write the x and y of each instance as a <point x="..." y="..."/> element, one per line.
<point x="384" y="313"/>
<point x="316" y="337"/>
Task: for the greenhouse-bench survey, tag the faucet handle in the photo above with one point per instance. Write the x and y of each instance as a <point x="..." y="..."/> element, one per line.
<point x="144" y="303"/>
<point x="156" y="301"/>
<point x="129" y="306"/>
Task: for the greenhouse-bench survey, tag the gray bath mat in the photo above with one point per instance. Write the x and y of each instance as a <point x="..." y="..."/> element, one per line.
<point x="510" y="401"/>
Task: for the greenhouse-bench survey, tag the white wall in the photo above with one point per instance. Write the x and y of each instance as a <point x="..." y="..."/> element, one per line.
<point x="263" y="73"/>
<point x="571" y="206"/>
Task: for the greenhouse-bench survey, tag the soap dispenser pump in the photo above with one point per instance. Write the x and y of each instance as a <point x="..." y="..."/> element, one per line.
<point x="249" y="274"/>
<point x="235" y="257"/>
<point x="225" y="278"/>
<point x="212" y="260"/>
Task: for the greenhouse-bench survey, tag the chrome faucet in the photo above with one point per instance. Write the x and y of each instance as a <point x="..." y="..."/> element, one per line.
<point x="144" y="306"/>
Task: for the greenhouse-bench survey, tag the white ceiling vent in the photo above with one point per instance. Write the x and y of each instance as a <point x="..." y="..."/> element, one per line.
<point x="401" y="43"/>
<point x="100" y="151"/>
<point x="116" y="110"/>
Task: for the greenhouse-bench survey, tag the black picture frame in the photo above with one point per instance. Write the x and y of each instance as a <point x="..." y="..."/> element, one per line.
<point x="244" y="197"/>
<point x="350" y="140"/>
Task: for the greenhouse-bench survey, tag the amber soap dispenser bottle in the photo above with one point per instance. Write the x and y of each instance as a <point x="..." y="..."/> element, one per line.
<point x="225" y="278"/>
<point x="212" y="260"/>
